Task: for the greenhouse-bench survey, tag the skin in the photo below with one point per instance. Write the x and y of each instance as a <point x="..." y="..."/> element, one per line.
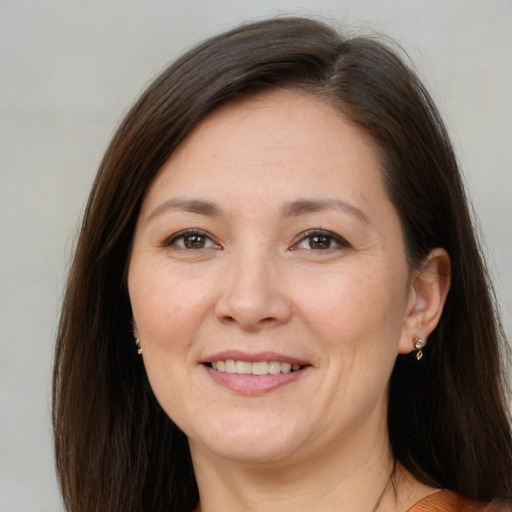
<point x="259" y="277"/>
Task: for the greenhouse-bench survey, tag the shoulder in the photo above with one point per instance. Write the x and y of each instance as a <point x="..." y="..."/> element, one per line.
<point x="447" y="501"/>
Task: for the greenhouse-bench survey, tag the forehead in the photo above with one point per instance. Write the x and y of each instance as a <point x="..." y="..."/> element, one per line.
<point x="277" y="119"/>
<point x="283" y="135"/>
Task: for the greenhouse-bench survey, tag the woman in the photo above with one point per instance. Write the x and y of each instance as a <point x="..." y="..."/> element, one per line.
<point x="280" y="224"/>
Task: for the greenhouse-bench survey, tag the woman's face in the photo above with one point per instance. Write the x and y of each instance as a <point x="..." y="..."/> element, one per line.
<point x="269" y="283"/>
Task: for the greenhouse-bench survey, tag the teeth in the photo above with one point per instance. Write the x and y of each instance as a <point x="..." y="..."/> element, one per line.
<point x="286" y="367"/>
<point x="274" y="367"/>
<point x="257" y="368"/>
<point x="243" y="367"/>
<point x="260" y="368"/>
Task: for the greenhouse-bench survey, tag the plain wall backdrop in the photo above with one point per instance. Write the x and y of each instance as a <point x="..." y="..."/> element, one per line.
<point x="69" y="69"/>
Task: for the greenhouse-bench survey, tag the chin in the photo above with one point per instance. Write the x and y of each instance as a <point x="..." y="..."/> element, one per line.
<point x="257" y="454"/>
<point x="250" y="445"/>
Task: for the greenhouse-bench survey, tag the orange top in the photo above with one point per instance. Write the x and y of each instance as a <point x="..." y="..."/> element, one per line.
<point x="447" y="501"/>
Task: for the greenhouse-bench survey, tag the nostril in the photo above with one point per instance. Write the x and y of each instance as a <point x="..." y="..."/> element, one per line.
<point x="228" y="319"/>
<point x="252" y="309"/>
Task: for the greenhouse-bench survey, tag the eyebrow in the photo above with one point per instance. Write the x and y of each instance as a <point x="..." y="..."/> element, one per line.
<point x="291" y="209"/>
<point x="188" y="205"/>
<point x="305" y="206"/>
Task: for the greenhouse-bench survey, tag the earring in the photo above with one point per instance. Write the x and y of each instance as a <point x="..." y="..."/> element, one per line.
<point x="418" y="344"/>
<point x="139" y="348"/>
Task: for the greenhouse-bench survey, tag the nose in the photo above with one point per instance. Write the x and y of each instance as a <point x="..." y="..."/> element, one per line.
<point x="253" y="295"/>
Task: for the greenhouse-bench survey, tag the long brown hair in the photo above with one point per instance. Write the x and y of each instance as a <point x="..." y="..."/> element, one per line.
<point x="115" y="448"/>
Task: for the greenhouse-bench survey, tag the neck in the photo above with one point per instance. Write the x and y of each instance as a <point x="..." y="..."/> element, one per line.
<point x="344" y="479"/>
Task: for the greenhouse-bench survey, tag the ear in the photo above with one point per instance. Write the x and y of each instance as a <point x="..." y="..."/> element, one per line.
<point x="428" y="290"/>
<point x="135" y="329"/>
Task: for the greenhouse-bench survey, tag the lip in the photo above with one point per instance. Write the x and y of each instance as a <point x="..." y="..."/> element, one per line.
<point x="238" y="355"/>
<point x="254" y="385"/>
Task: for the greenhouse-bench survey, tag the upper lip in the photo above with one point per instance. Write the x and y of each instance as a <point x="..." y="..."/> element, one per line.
<point x="238" y="355"/>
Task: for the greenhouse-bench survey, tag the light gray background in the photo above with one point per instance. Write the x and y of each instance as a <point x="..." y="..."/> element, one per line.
<point x="68" y="71"/>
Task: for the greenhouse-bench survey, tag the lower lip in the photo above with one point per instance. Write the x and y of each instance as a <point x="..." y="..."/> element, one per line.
<point x="254" y="385"/>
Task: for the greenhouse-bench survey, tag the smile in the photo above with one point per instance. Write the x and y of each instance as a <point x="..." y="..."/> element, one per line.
<point x="254" y="374"/>
<point x="258" y="368"/>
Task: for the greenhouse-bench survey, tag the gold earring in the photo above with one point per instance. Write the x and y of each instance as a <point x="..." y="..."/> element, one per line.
<point x="139" y="348"/>
<point x="418" y="344"/>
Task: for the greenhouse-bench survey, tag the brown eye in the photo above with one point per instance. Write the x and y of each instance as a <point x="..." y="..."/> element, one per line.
<point x="191" y="240"/>
<point x="194" y="241"/>
<point x="320" y="242"/>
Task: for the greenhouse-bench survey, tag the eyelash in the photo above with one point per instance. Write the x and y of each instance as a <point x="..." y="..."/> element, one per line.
<point x="303" y="237"/>
<point x="319" y="234"/>
<point x="188" y="234"/>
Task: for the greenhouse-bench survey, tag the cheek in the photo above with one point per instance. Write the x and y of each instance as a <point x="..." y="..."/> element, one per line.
<point x="165" y="306"/>
<point x="169" y="313"/>
<point x="358" y="310"/>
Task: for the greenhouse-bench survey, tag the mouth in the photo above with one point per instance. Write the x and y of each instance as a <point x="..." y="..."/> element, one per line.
<point x="254" y="374"/>
<point x="256" y="368"/>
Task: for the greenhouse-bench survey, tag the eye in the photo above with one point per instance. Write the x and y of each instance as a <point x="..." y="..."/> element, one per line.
<point x="191" y="239"/>
<point x="319" y="240"/>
